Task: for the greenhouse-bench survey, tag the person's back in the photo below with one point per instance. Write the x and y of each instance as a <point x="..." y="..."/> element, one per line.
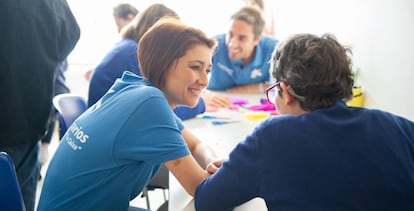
<point x="122" y="57"/>
<point x="35" y="37"/>
<point x="342" y="159"/>
<point x="28" y="65"/>
<point x="319" y="154"/>
<point x="115" y="156"/>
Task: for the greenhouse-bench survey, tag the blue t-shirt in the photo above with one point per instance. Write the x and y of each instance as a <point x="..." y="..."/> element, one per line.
<point x="336" y="158"/>
<point x="123" y="57"/>
<point x="227" y="73"/>
<point x="113" y="149"/>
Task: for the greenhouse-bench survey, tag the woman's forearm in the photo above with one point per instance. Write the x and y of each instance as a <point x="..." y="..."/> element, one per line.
<point x="204" y="154"/>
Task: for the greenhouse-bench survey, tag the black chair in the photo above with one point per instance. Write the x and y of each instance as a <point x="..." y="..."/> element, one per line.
<point x="159" y="181"/>
<point x="11" y="198"/>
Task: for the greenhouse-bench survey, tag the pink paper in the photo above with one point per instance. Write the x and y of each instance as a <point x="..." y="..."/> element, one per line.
<point x="238" y="101"/>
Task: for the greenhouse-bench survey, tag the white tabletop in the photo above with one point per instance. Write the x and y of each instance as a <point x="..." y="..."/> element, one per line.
<point x="222" y="138"/>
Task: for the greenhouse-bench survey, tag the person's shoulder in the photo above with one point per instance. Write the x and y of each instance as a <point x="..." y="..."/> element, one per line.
<point x="221" y="38"/>
<point x="389" y="115"/>
<point x="152" y="91"/>
<point x="144" y="87"/>
<point x="281" y="124"/>
<point x="137" y="89"/>
<point x="126" y="43"/>
<point x="269" y="40"/>
<point x="267" y="44"/>
<point x="117" y="54"/>
<point x="285" y="120"/>
<point x="221" y="48"/>
<point x="383" y="118"/>
<point x="130" y="41"/>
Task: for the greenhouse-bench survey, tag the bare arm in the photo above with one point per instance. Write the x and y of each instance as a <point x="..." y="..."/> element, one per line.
<point x="200" y="151"/>
<point x="189" y="170"/>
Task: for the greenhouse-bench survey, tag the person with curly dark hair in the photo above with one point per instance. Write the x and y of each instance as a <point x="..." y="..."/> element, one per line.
<point x="319" y="154"/>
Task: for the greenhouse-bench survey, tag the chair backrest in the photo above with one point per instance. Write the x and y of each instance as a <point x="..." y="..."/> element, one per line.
<point x="70" y="106"/>
<point x="10" y="195"/>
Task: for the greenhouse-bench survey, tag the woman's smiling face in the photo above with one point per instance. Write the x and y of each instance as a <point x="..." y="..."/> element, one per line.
<point x="188" y="76"/>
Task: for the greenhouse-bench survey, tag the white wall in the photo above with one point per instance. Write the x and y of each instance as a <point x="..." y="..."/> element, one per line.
<point x="381" y="33"/>
<point x="99" y="33"/>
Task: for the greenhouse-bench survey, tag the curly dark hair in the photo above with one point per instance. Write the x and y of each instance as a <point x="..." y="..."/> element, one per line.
<point x="318" y="69"/>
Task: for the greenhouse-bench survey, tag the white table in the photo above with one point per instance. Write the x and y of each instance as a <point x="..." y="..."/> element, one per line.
<point x="222" y="138"/>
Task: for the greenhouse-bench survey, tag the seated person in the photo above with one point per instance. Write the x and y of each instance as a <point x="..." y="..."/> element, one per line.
<point x="123" y="14"/>
<point x="123" y="56"/>
<point x="114" y="148"/>
<point x="241" y="60"/>
<point x="319" y="154"/>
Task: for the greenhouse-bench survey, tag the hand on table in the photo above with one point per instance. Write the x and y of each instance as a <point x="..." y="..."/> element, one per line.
<point x="216" y="100"/>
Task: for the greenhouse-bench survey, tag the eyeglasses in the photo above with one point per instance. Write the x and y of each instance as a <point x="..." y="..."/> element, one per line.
<point x="271" y="92"/>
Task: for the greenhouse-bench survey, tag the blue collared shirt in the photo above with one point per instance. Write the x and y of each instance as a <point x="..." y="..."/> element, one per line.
<point x="227" y="73"/>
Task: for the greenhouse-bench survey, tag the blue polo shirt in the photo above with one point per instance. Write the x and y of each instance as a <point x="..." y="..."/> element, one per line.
<point x="113" y="149"/>
<point x="227" y="73"/>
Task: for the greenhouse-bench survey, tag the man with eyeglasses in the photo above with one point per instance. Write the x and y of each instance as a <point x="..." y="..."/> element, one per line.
<point x="319" y="154"/>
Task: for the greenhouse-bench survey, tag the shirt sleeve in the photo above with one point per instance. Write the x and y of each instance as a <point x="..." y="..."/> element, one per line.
<point x="236" y="182"/>
<point x="184" y="112"/>
<point x="152" y="133"/>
